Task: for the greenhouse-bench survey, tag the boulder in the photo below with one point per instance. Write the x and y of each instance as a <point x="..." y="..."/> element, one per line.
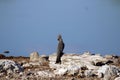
<point x="108" y="71"/>
<point x="9" y="67"/>
<point x="34" y="56"/>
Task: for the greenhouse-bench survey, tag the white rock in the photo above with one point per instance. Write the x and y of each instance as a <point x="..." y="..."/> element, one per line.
<point x="26" y="65"/>
<point x="73" y="69"/>
<point x="34" y="56"/>
<point x="10" y="66"/>
<point x="108" y="71"/>
<point x="112" y="69"/>
<point x="7" y="77"/>
<point x="55" y="66"/>
<point x="29" y="70"/>
<point x="21" y="73"/>
<point x="73" y="62"/>
<point x="60" y="72"/>
<point x="103" y="69"/>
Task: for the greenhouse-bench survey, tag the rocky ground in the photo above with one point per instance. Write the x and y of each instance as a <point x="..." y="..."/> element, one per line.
<point x="86" y="66"/>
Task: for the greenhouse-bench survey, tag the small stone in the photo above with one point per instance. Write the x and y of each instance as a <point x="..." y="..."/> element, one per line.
<point x="21" y="73"/>
<point x="26" y="65"/>
<point x="7" y="77"/>
<point x="29" y="70"/>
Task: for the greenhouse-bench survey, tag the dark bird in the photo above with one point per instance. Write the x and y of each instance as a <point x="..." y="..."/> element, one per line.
<point x="60" y="49"/>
